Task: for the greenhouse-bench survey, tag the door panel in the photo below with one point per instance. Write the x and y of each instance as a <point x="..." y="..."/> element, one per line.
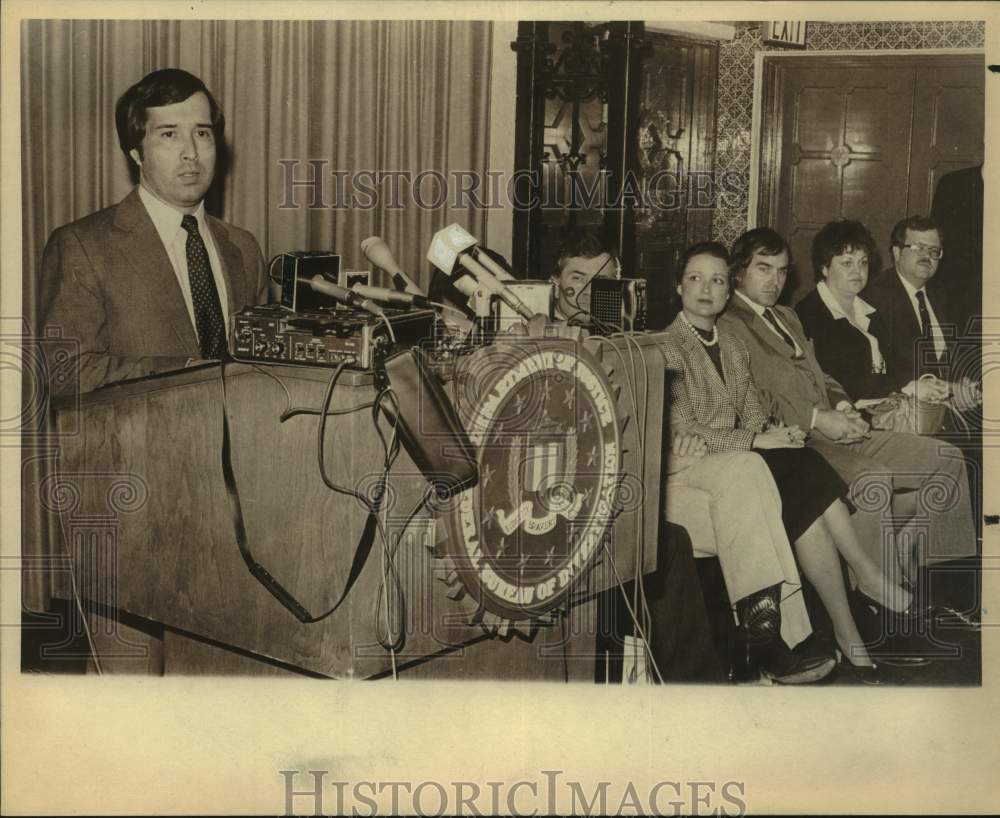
<point x="816" y="118"/>
<point x="947" y="128"/>
<point x="862" y="138"/>
<point x="839" y="129"/>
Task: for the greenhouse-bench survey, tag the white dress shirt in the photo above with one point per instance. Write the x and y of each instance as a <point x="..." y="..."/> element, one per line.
<point x="939" y="343"/>
<point x="860" y="319"/>
<point x="174" y="237"/>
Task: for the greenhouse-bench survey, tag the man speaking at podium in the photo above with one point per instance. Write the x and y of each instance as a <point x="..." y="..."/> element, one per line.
<point x="148" y="284"/>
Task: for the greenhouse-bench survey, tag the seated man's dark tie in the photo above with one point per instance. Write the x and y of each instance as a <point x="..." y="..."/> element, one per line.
<point x="208" y="318"/>
<point x="925" y="316"/>
<point x="769" y="315"/>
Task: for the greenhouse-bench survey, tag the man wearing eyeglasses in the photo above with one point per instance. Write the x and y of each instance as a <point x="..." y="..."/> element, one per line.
<point x="911" y="320"/>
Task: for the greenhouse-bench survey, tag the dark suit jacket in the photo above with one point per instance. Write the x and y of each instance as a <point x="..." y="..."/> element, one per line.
<point x="109" y="290"/>
<point x="842" y="350"/>
<point x="725" y="414"/>
<point x="787" y="386"/>
<point x="958" y="208"/>
<point x="898" y="329"/>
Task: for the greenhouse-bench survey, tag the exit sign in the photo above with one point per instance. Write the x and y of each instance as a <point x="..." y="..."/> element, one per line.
<point x="785" y="32"/>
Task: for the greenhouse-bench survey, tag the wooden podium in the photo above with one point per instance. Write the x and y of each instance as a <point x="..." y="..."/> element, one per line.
<point x="142" y="508"/>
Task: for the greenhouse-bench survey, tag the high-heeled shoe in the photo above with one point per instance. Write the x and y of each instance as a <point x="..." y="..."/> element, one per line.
<point x="882" y="628"/>
<point x="906" y="612"/>
<point x="870" y="674"/>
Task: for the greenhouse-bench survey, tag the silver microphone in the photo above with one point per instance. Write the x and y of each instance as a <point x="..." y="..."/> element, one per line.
<point x="391" y="296"/>
<point x="379" y="254"/>
<point x="321" y="285"/>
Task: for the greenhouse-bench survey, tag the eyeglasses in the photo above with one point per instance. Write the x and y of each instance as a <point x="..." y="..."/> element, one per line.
<point x="931" y="250"/>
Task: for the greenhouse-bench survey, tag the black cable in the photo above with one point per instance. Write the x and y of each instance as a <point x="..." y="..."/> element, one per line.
<point x="391" y="448"/>
<point x="291" y="411"/>
<point x="565" y="660"/>
<point x="270" y="583"/>
<point x="603" y="326"/>
<point x="321" y="435"/>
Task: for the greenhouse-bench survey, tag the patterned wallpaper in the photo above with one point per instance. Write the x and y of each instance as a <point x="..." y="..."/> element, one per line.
<point x="736" y="60"/>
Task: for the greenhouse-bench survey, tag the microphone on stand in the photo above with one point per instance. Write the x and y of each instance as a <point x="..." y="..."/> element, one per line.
<point x="466" y="285"/>
<point x="379" y="254"/>
<point x="391" y="296"/>
<point x="451" y="245"/>
<point x="345" y="296"/>
<point x="484" y="258"/>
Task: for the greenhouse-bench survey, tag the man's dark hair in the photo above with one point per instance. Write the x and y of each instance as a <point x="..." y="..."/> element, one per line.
<point x="837" y="238"/>
<point x="919" y="224"/>
<point x="164" y="87"/>
<point x="704" y="248"/>
<point x="582" y="243"/>
<point x="761" y="240"/>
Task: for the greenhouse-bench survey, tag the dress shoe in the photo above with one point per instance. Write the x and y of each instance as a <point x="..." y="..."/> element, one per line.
<point x="776" y="661"/>
<point x="871" y="675"/>
<point x="950" y="619"/>
<point x="901" y="650"/>
<point x="868" y="598"/>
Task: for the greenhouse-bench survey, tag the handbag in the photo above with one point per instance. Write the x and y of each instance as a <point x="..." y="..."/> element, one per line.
<point x="904" y="413"/>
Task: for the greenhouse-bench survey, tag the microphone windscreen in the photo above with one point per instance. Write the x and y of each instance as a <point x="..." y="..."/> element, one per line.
<point x="379" y="254"/>
<point x="446" y="246"/>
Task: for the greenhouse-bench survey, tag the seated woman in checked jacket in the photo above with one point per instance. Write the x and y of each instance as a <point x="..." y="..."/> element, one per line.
<point x="714" y="396"/>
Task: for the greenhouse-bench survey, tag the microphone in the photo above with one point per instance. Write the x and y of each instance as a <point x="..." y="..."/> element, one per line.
<point x="451" y="245"/>
<point x="486" y="260"/>
<point x="391" y="296"/>
<point x="321" y="285"/>
<point x="379" y="254"/>
<point x="466" y="285"/>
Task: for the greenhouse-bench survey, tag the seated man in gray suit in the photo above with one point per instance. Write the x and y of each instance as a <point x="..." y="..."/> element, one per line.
<point x="148" y="284"/>
<point x="919" y="481"/>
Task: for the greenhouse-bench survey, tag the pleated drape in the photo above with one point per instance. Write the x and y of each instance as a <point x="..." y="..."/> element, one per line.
<point x="377" y="96"/>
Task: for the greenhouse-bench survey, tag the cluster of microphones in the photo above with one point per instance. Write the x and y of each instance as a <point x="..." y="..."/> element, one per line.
<point x="453" y="250"/>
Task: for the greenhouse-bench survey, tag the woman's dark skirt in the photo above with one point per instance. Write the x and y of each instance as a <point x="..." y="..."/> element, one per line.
<point x="807" y="484"/>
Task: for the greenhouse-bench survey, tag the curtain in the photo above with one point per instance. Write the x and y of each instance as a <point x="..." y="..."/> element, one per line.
<point x="398" y="96"/>
<point x="365" y="96"/>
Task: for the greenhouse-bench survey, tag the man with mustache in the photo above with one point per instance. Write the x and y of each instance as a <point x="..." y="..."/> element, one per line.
<point x="148" y="284"/>
<point x="912" y="321"/>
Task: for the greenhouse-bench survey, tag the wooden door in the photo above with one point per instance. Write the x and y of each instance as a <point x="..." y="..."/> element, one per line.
<point x="676" y="158"/>
<point x="862" y="137"/>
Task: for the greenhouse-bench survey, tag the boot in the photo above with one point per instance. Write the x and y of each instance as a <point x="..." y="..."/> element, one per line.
<point x="763" y="649"/>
